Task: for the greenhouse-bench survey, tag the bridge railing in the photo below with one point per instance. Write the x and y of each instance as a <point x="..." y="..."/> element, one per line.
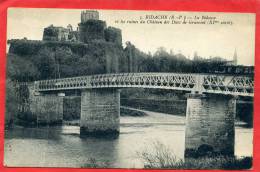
<point x="228" y="84"/>
<point x="210" y="83"/>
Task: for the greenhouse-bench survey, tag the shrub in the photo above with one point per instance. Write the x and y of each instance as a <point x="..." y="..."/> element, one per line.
<point x="161" y="157"/>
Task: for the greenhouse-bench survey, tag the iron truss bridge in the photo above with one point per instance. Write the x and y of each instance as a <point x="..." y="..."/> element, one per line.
<point x="198" y="83"/>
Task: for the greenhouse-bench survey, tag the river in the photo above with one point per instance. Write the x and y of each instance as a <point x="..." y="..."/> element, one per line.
<point x="61" y="146"/>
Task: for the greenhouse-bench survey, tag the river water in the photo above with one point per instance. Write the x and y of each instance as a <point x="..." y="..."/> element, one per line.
<point x="61" y="146"/>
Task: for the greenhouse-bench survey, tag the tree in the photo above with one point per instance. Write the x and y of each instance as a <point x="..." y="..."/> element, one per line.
<point x="45" y="61"/>
<point x="21" y="69"/>
<point x="11" y="102"/>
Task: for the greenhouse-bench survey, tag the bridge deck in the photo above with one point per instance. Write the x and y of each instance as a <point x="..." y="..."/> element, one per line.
<point x="202" y="83"/>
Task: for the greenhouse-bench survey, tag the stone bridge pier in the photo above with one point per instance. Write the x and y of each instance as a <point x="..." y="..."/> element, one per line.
<point x="210" y="125"/>
<point x="209" y="120"/>
<point x="48" y="108"/>
<point x="100" y="112"/>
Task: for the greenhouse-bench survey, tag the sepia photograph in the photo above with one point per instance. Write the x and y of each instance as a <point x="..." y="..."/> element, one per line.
<point x="91" y="88"/>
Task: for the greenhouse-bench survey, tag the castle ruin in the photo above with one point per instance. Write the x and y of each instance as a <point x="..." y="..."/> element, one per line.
<point x="89" y="29"/>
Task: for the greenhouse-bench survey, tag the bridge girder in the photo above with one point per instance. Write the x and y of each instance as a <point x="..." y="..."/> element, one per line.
<point x="199" y="83"/>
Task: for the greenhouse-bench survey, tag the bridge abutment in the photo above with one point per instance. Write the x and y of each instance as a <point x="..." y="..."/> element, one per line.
<point x="209" y="125"/>
<point x="48" y="108"/>
<point x="100" y="111"/>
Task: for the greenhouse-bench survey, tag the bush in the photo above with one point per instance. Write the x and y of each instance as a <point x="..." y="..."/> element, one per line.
<point x="161" y="157"/>
<point x="94" y="163"/>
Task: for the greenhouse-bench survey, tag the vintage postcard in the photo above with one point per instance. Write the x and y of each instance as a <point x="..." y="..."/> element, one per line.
<point x="90" y="88"/>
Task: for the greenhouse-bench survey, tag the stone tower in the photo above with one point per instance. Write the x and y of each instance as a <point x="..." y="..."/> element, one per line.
<point x="89" y="15"/>
<point x="90" y="27"/>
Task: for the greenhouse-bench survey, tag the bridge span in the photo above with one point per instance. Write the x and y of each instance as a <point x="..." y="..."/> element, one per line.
<point x="210" y="111"/>
<point x="239" y="85"/>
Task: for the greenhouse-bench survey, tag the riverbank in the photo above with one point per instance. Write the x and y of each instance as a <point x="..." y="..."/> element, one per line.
<point x="127" y="111"/>
<point x="175" y="104"/>
<point x="148" y="117"/>
<point x="140" y="117"/>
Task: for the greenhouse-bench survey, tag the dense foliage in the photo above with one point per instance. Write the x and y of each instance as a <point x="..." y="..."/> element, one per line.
<point x="58" y="59"/>
<point x="35" y="60"/>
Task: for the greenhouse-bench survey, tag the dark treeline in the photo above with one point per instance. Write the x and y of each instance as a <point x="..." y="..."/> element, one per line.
<point x="35" y="60"/>
<point x="162" y="61"/>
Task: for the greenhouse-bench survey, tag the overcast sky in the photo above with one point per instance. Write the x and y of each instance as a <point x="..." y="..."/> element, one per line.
<point x="206" y="40"/>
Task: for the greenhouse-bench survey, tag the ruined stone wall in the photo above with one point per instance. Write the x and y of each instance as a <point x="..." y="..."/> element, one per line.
<point x="100" y="110"/>
<point x="52" y="33"/>
<point x="131" y="57"/>
<point x="112" y="61"/>
<point x="73" y="36"/>
<point x="114" y="35"/>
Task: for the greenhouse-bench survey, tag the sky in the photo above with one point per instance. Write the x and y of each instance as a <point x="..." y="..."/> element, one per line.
<point x="205" y="39"/>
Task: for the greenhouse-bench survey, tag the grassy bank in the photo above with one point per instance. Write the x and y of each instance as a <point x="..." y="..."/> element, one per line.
<point x="161" y="157"/>
<point x="124" y="111"/>
<point x="175" y="107"/>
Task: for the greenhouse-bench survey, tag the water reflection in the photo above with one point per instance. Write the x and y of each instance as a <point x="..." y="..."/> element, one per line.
<point x="47" y="132"/>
